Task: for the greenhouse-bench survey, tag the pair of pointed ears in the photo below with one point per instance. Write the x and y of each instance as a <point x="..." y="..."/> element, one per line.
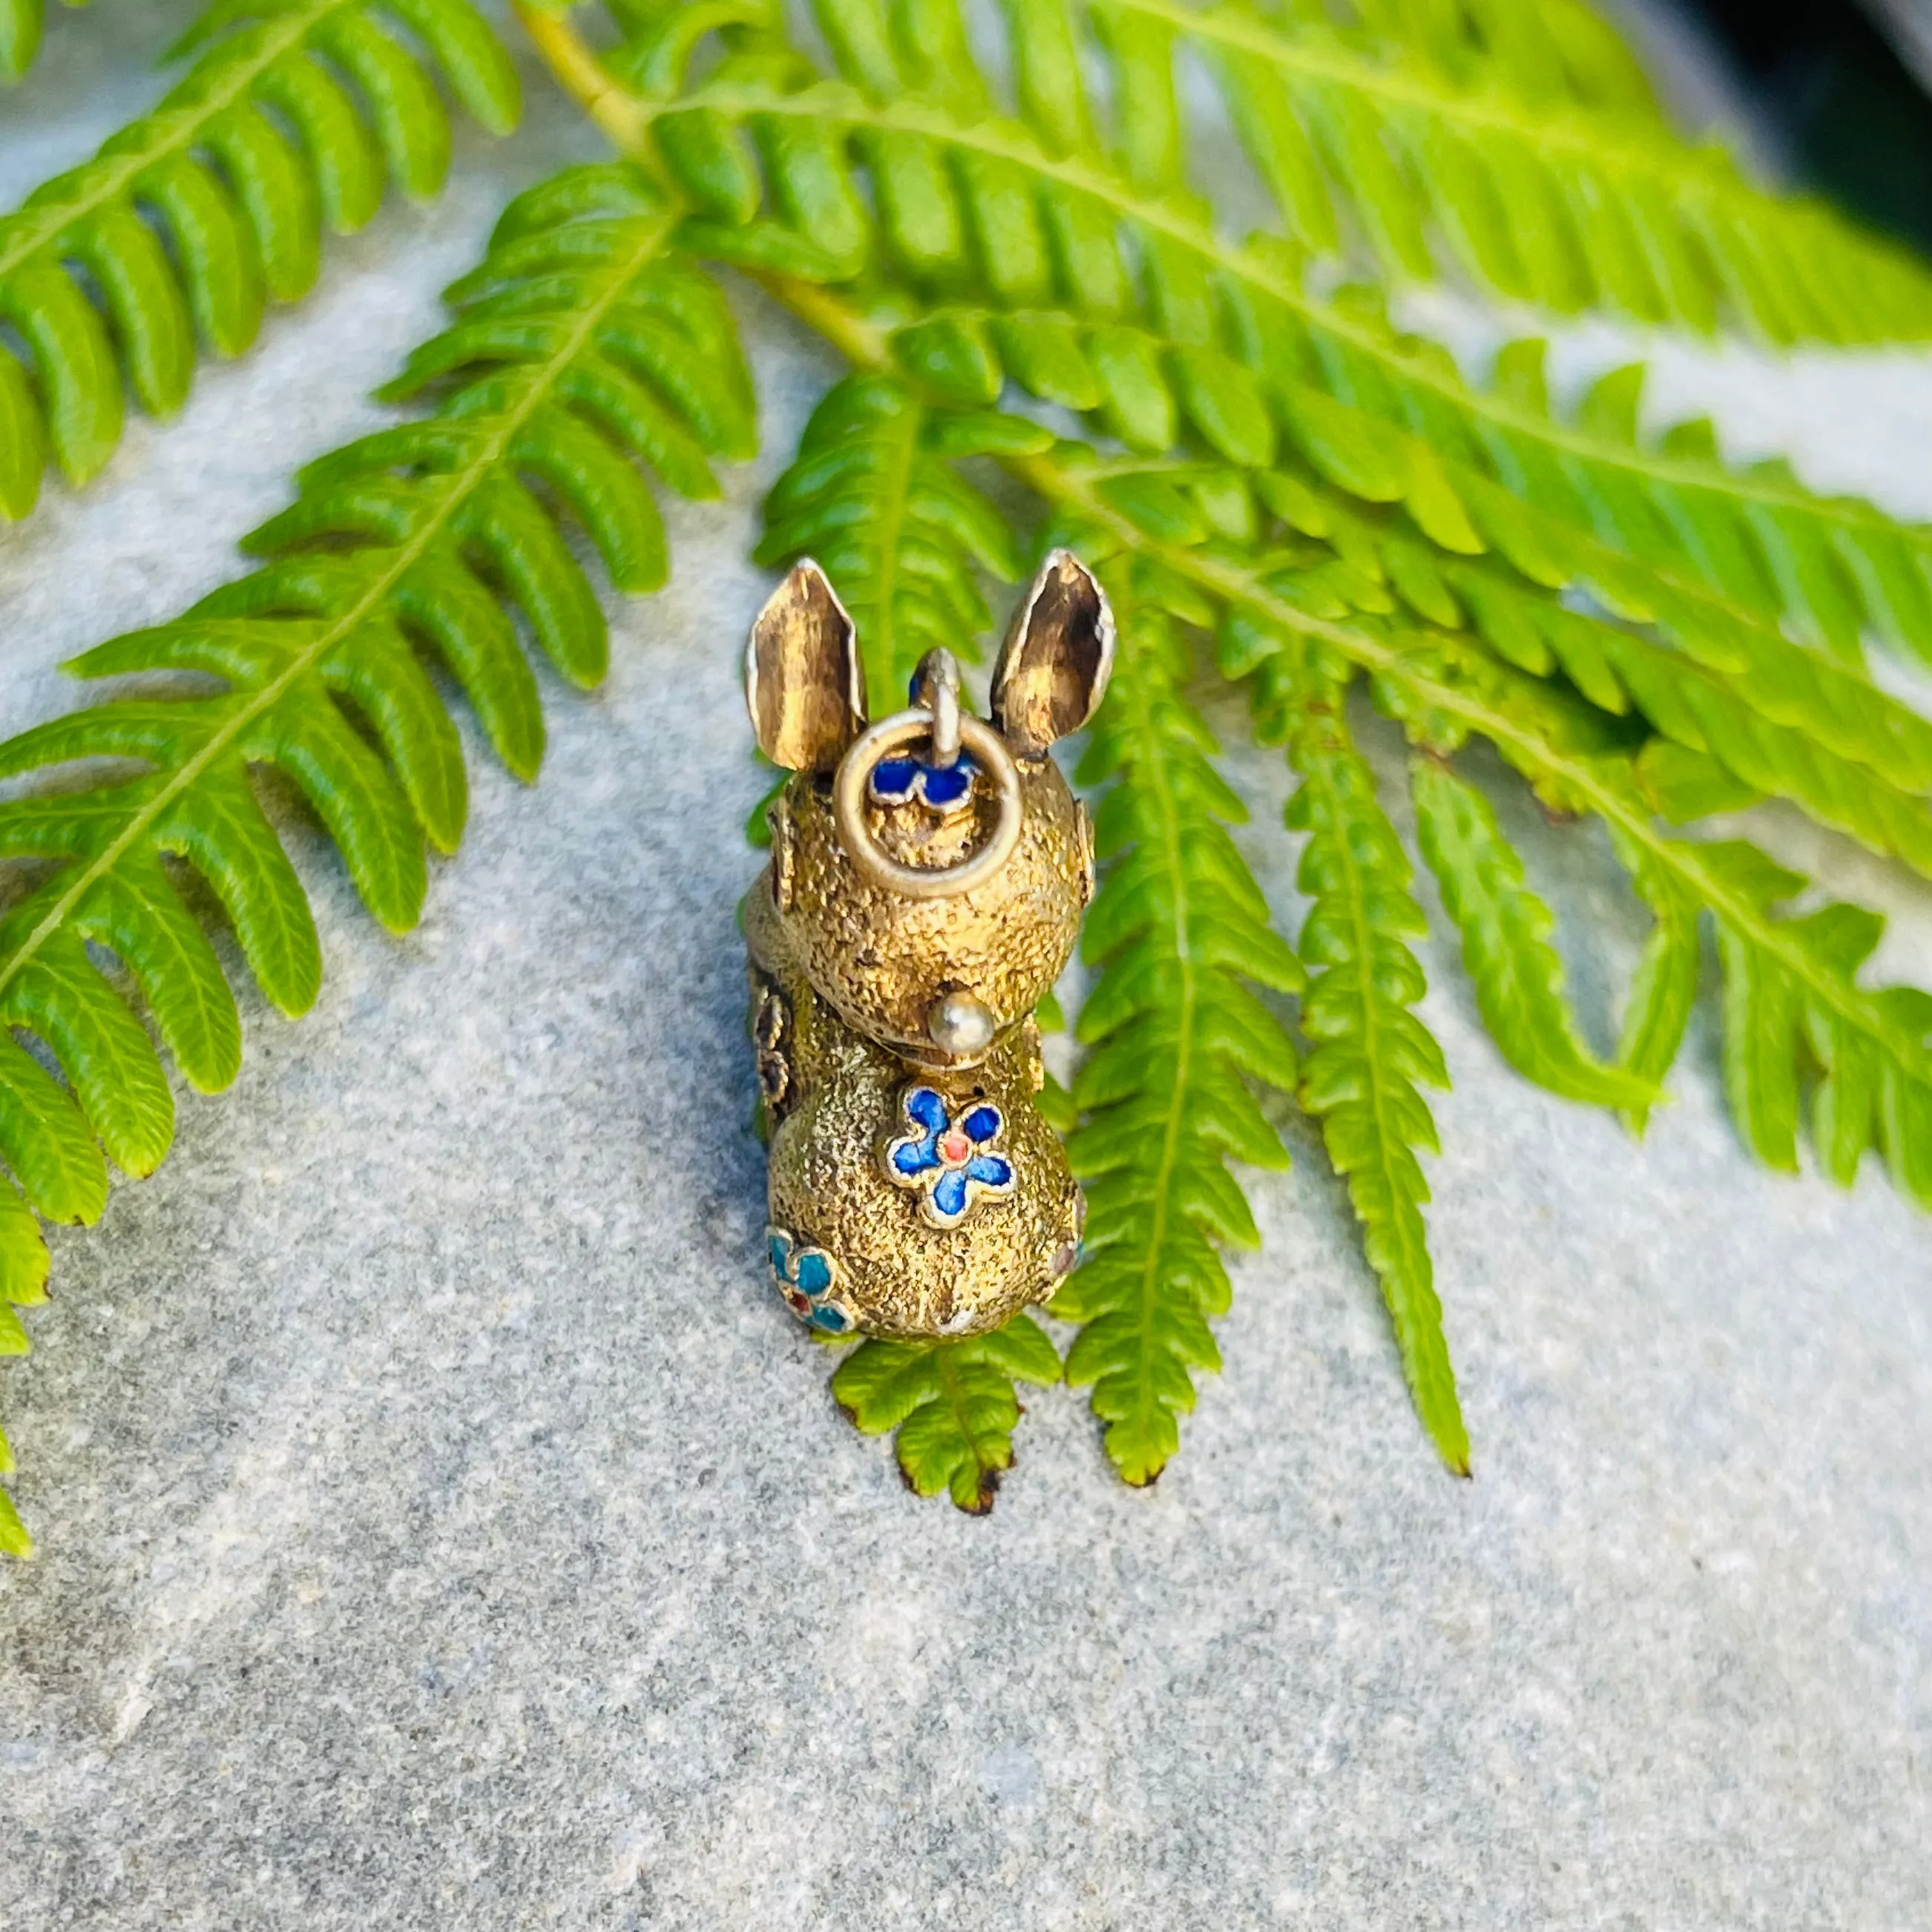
<point x="805" y="689"/>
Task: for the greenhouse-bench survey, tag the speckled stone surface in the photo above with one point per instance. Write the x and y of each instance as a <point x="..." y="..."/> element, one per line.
<point x="443" y="1526"/>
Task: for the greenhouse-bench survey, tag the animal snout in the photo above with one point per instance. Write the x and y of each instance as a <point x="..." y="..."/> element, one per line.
<point x="959" y="1025"/>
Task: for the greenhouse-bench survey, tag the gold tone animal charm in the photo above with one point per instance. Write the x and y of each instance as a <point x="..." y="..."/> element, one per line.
<point x="927" y="878"/>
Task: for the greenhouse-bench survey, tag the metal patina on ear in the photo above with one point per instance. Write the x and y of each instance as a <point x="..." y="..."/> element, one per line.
<point x="926" y="892"/>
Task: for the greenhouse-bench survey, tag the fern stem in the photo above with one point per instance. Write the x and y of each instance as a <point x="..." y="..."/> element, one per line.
<point x="28" y="236"/>
<point x="860" y="341"/>
<point x="579" y="72"/>
<point x="538" y="379"/>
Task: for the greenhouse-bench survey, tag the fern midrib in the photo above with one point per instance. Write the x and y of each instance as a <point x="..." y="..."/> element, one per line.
<point x="958" y="1406"/>
<point x="181" y="134"/>
<point x="1230" y="583"/>
<point x="462" y="485"/>
<point x="1576" y="134"/>
<point x="1162" y="791"/>
<point x="1005" y="141"/>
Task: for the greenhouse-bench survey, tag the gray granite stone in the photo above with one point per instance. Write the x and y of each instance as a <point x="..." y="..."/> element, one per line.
<point x="442" y="1526"/>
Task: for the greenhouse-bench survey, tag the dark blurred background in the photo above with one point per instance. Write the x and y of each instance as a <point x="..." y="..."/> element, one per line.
<point x="1840" y="95"/>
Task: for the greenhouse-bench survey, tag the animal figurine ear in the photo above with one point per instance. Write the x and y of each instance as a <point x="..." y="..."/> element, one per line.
<point x="1059" y="653"/>
<point x="804" y="685"/>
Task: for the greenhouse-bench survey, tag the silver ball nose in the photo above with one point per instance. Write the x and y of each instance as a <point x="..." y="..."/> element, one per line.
<point x="957" y="1023"/>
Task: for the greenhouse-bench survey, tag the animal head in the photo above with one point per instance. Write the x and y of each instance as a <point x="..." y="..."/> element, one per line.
<point x="931" y="903"/>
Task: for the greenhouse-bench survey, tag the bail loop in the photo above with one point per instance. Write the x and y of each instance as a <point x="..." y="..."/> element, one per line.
<point x="919" y="882"/>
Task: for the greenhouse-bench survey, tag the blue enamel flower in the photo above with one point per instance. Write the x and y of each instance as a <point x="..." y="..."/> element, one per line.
<point x="944" y="789"/>
<point x="949" y="1160"/>
<point x="806" y="1277"/>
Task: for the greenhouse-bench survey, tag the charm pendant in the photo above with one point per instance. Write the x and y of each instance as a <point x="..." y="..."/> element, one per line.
<point x="927" y="879"/>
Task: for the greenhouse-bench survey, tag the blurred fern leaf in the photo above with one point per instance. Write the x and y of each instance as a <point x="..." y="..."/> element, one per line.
<point x="190" y="217"/>
<point x="21" y="23"/>
<point x="1560" y="208"/>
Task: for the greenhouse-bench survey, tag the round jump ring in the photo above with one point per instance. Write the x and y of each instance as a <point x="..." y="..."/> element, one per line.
<point x="848" y="807"/>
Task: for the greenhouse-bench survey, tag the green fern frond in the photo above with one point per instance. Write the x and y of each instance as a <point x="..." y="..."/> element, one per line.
<point x="1371" y="1052"/>
<point x="21" y="24"/>
<point x="1099" y="292"/>
<point x="189" y="218"/>
<point x="1562" y="209"/>
<point x="1173" y="1035"/>
<point x="1618" y="633"/>
<point x="952" y="1404"/>
<point x="1794" y="1000"/>
<point x="1784" y="722"/>
<point x="582" y="351"/>
<point x="873" y="496"/>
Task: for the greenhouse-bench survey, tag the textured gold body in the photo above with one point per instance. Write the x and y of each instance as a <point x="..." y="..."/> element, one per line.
<point x="829" y="946"/>
<point x="926" y="884"/>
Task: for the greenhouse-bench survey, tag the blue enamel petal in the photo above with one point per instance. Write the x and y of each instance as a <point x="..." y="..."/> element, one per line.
<point x="991" y="1170"/>
<point x="835" y="1320"/>
<point x="815" y="1273"/>
<point x="927" y="1109"/>
<point x="948" y="786"/>
<point x="911" y="1157"/>
<point x="949" y="1194"/>
<point x="893" y="780"/>
<point x="981" y="1125"/>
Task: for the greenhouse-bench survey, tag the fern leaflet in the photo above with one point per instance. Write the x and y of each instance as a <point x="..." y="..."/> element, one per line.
<point x="1177" y="926"/>
<point x="1505" y="927"/>
<point x="952" y="1404"/>
<point x="241" y="207"/>
<point x="1371" y="1052"/>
